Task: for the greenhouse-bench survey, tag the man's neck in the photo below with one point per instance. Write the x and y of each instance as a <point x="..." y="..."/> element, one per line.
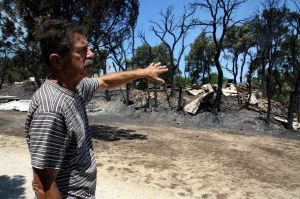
<point x="66" y="83"/>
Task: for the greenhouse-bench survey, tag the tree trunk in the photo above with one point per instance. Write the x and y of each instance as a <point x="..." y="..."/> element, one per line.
<point x="155" y="96"/>
<point x="179" y="106"/>
<point x="242" y="67"/>
<point x="127" y="94"/>
<point x="291" y="110"/>
<point x="263" y="76"/>
<point x="235" y="68"/>
<point x="249" y="91"/>
<point x="203" y="76"/>
<point x="3" y="73"/>
<point x="2" y="80"/>
<point x="297" y="94"/>
<point x="218" y="99"/>
<point x="37" y="78"/>
<point x="147" y="99"/>
<point x="172" y="80"/>
<point x="249" y="80"/>
<point x="269" y="92"/>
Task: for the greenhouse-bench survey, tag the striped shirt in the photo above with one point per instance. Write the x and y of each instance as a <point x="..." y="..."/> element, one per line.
<point x="58" y="136"/>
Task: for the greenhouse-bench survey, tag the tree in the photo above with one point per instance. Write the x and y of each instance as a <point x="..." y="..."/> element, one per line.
<point x="273" y="30"/>
<point x="172" y="32"/>
<point x="221" y="22"/>
<point x="291" y="46"/>
<point x="213" y="79"/>
<point x="145" y="54"/>
<point x="200" y="58"/>
<point x="107" y="22"/>
<point x="120" y="57"/>
<point x="15" y="38"/>
<point x="237" y="42"/>
<point x="111" y="25"/>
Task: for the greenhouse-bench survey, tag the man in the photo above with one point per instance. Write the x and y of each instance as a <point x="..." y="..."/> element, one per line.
<point x="57" y="127"/>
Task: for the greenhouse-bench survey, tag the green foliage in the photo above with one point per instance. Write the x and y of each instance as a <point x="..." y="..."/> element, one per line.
<point x="107" y="23"/>
<point x="255" y="82"/>
<point x="146" y="54"/>
<point x="182" y="80"/>
<point x="282" y="87"/>
<point x="200" y="58"/>
<point x="213" y="79"/>
<point x="141" y="84"/>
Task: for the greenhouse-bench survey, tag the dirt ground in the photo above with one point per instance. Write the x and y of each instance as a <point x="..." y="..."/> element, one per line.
<point x="144" y="161"/>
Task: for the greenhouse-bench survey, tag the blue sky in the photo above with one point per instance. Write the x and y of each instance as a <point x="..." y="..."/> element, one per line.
<point x="150" y="10"/>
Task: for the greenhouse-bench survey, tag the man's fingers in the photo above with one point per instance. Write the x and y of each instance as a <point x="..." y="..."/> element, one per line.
<point x="162" y="69"/>
<point x="157" y="64"/>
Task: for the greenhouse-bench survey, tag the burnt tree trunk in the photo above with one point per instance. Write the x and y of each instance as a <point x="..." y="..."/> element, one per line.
<point x="218" y="99"/>
<point x="36" y="77"/>
<point x="127" y="94"/>
<point x="249" y="80"/>
<point x="155" y="96"/>
<point x="172" y="80"/>
<point x="249" y="91"/>
<point x="269" y="92"/>
<point x="3" y="73"/>
<point x="179" y="105"/>
<point x="235" y="73"/>
<point x="235" y="68"/>
<point x="297" y="94"/>
<point x="203" y="76"/>
<point x="242" y="67"/>
<point x="291" y="110"/>
<point x="263" y="77"/>
<point x="147" y="105"/>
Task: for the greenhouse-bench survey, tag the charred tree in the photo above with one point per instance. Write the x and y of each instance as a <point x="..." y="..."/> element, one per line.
<point x="177" y="30"/>
<point x="221" y="22"/>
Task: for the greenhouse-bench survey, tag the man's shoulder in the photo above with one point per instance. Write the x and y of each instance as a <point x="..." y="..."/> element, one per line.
<point x="49" y="99"/>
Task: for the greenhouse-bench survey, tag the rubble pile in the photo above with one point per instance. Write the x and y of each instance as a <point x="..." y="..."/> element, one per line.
<point x="205" y="94"/>
<point x="193" y="97"/>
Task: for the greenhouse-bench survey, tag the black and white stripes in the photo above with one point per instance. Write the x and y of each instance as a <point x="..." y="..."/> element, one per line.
<point x="58" y="136"/>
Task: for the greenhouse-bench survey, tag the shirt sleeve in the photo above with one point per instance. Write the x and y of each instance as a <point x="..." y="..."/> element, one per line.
<point x="87" y="88"/>
<point x="48" y="140"/>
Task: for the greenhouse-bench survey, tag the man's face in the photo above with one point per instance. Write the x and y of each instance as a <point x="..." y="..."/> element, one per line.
<point x="78" y="62"/>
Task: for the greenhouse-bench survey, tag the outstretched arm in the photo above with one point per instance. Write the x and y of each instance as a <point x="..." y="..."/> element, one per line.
<point x="113" y="80"/>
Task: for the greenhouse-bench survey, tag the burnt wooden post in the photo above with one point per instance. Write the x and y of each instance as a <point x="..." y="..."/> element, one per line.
<point x="179" y="106"/>
<point x="291" y="110"/>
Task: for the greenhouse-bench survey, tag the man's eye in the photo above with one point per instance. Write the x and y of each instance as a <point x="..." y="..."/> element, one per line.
<point x="82" y="51"/>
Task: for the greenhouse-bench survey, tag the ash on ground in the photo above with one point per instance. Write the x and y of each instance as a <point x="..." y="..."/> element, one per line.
<point x="231" y="118"/>
<point x="142" y="110"/>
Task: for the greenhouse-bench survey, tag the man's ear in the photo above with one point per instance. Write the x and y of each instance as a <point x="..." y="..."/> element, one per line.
<point x="55" y="61"/>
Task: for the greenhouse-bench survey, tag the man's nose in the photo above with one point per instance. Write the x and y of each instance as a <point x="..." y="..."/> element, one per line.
<point x="89" y="54"/>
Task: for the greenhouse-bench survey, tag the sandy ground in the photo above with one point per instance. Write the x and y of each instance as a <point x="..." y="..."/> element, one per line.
<point x="154" y="162"/>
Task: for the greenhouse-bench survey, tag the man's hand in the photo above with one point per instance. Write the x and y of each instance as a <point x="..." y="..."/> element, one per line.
<point x="153" y="71"/>
<point x="44" y="184"/>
